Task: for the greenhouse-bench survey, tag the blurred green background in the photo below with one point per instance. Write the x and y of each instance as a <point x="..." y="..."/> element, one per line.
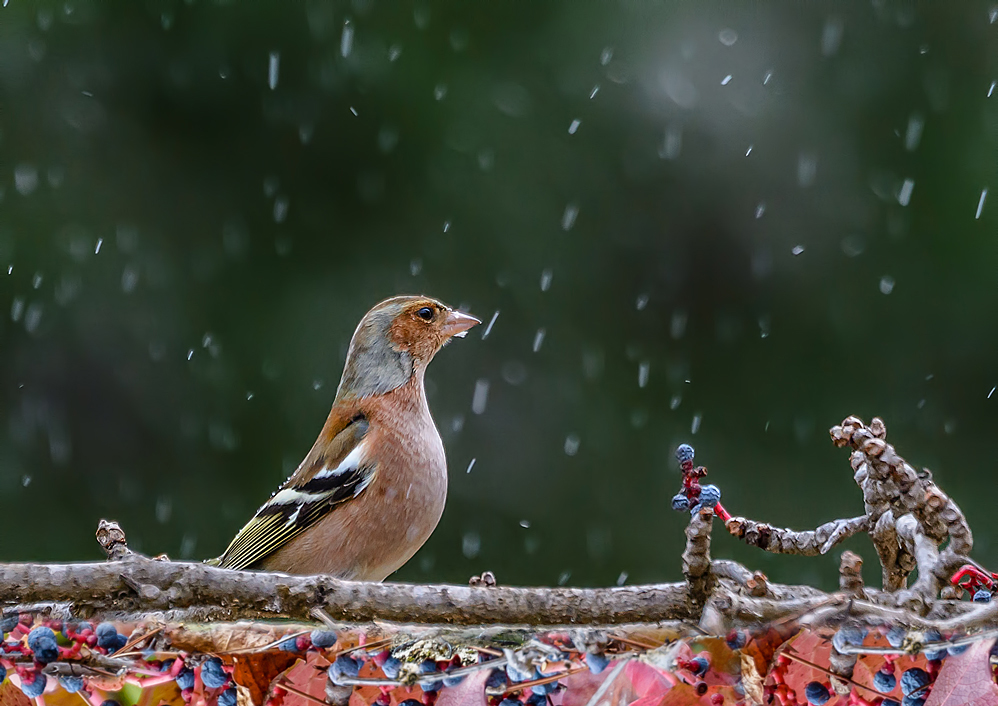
<point x="728" y="224"/>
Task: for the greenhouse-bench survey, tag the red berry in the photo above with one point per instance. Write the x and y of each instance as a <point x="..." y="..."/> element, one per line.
<point x="717" y="699"/>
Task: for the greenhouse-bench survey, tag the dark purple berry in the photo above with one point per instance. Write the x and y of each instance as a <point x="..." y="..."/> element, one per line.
<point x="41" y="641"/>
<point x="914" y="679"/>
<point x="930" y="637"/>
<point x="895" y="636"/>
<point x="392" y="667"/>
<point x="848" y="636"/>
<point x="680" y="502"/>
<point x="884" y="682"/>
<point x="684" y="454"/>
<point x="345" y="667"/>
<point x="107" y="636"/>
<point x="736" y="639"/>
<point x="982" y="595"/>
<point x="497" y="678"/>
<point x="227" y="698"/>
<point x="34" y="688"/>
<point x="8" y="622"/>
<point x="185" y="678"/>
<point x="596" y="662"/>
<point x="212" y="674"/>
<point x="71" y="684"/>
<point x="710" y="495"/>
<point x="914" y="700"/>
<point x="428" y="666"/>
<point x="816" y="693"/>
<point x="698" y="665"/>
<point x="323" y="638"/>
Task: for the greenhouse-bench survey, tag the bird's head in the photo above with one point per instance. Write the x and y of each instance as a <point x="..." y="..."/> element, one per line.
<point x="396" y="340"/>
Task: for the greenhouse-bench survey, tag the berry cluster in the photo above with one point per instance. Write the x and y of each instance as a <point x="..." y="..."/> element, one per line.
<point x="976" y="581"/>
<point x="694" y="496"/>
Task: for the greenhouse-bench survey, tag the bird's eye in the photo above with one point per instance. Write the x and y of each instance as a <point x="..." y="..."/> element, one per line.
<point x="426" y="313"/>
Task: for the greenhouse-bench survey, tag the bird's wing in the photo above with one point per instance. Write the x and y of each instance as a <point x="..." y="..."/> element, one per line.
<point x="334" y="472"/>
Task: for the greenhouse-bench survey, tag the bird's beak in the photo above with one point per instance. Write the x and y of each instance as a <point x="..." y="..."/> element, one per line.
<point x="457" y="324"/>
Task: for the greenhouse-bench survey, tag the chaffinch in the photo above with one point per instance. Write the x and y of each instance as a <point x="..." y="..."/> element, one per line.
<point x="372" y="488"/>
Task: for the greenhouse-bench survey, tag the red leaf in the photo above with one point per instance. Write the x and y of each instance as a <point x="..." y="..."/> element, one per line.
<point x="580" y="687"/>
<point x="965" y="679"/>
<point x="470" y="692"/>
<point x="647" y="680"/>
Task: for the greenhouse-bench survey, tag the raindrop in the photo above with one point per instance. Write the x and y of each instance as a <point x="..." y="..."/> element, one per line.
<point x="25" y="179"/>
<point x="249" y="396"/>
<point x="538" y="339"/>
<point x="980" y="204"/>
<point x="187" y="545"/>
<point x="164" y="508"/>
<point x="643" y="370"/>
<point x="270" y="185"/>
<point x="904" y="195"/>
<point x="481" y="396"/>
<point x="675" y="402"/>
<point x="273" y="69"/>
<point x="514" y="372"/>
<point x="831" y="36"/>
<point x="439" y="91"/>
<point x="488" y="329"/>
<point x="764" y="325"/>
<point x="305" y="132"/>
<point x="17" y="308"/>
<point x="727" y="36"/>
<point x="749" y="150"/>
<point x="26" y="479"/>
<point x="471" y="544"/>
<point x="280" y="209"/>
<point x="33" y="317"/>
<point x="672" y="143"/>
<point x="595" y="90"/>
<point x="317" y="384"/>
<point x="388" y="138"/>
<point x="695" y="426"/>
<point x="36" y="280"/>
<point x="853" y="245"/>
<point x="486" y="160"/>
<point x="797" y="250"/>
<point x="457" y="424"/>
<point x="913" y="134"/>
<point x="574" y="126"/>
<point x="677" y="327"/>
<point x="129" y="279"/>
<point x="571" y="445"/>
<point x="886" y="284"/>
<point x="622" y="578"/>
<point x="471" y="465"/>
<point x="641" y="302"/>
<point x="346" y="39"/>
<point x="353" y="111"/>
<point x="421" y="16"/>
<point x="415" y="266"/>
<point x="991" y="88"/>
<point x="765" y="79"/>
<point x="569" y="216"/>
<point x="563" y="577"/>
<point x="992" y="392"/>
<point x="525" y="524"/>
<point x="726" y="80"/>
<point x="394" y="52"/>
<point x="546" y="276"/>
<point x="446" y="226"/>
<point x="760" y="209"/>
<point x="807" y="169"/>
<point x="606" y="55"/>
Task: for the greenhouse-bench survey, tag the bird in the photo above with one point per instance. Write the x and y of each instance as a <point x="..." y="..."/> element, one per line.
<point x="372" y="488"/>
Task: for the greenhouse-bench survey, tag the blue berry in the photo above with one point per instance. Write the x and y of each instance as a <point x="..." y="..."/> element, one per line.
<point x="982" y="595"/>
<point x="680" y="502"/>
<point x="889" y="702"/>
<point x="684" y="453"/>
<point x="107" y="636"/>
<point x="345" y="667"/>
<point x="536" y="699"/>
<point x="958" y="650"/>
<point x="596" y="662"/>
<point x="34" y="689"/>
<point x="848" y="636"/>
<point x="323" y="638"/>
<point x="410" y="702"/>
<point x="288" y="645"/>
<point x="428" y="666"/>
<point x="510" y="702"/>
<point x="736" y="639"/>
<point x="392" y="667"/>
<point x="914" y="679"/>
<point x="915" y="700"/>
<point x="71" y="684"/>
<point x="41" y="641"/>
<point x="895" y="636"/>
<point x="119" y="642"/>
<point x="497" y="678"/>
<point x="227" y="698"/>
<point x="212" y="674"/>
<point x="930" y="637"/>
<point x="8" y="622"/>
<point x="109" y="702"/>
<point x="710" y="495"/>
<point x="698" y="665"/>
<point x="884" y="682"/>
<point x="695" y="509"/>
<point x="816" y="693"/>
<point x="3" y="672"/>
<point x="453" y="681"/>
<point x="185" y="678"/>
<point x="515" y="674"/>
<point x="543" y="688"/>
